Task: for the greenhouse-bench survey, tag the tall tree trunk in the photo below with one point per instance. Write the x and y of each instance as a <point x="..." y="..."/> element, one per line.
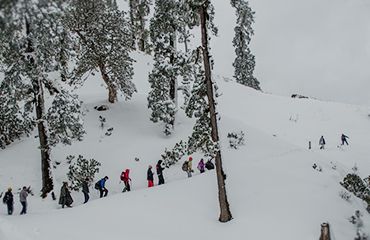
<point x="47" y="180"/>
<point x="112" y="90"/>
<point x="142" y="34"/>
<point x="133" y="5"/>
<point x="225" y="214"/>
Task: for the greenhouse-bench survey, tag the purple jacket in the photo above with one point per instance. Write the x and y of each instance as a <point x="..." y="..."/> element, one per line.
<point x="201" y="165"/>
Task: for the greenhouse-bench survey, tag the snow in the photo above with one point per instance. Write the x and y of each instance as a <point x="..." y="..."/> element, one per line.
<point x="274" y="192"/>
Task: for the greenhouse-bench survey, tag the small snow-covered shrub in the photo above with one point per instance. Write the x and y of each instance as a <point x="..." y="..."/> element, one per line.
<point x="357" y="221"/>
<point x="102" y="121"/>
<point x="317" y="167"/>
<point x="171" y="157"/>
<point x="236" y="139"/>
<point x="353" y="183"/>
<point x="81" y="170"/>
<point x="345" y="195"/>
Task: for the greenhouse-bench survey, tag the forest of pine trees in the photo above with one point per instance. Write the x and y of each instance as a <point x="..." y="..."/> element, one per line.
<point x="47" y="47"/>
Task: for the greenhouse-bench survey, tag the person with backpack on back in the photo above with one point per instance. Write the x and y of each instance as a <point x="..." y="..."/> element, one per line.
<point x="9" y="201"/>
<point x="344" y="139"/>
<point x="201" y="166"/>
<point x="210" y="165"/>
<point x="322" y="142"/>
<point x="85" y="189"/>
<point x="23" y="199"/>
<point x="149" y="176"/>
<point x="159" y="170"/>
<point x="100" y="185"/>
<point x="126" y="180"/>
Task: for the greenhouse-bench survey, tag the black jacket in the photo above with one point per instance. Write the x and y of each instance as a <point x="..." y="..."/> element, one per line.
<point x="8" y="198"/>
<point x="149" y="175"/>
<point x="85" y="187"/>
<point x="159" y="168"/>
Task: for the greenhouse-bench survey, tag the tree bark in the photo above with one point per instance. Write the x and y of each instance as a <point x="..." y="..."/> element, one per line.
<point x="112" y="90"/>
<point x="133" y="22"/>
<point x="47" y="180"/>
<point x="225" y="214"/>
<point x="325" y="232"/>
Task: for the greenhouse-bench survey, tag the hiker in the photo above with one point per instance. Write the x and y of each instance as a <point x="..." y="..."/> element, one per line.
<point x="149" y="176"/>
<point x="85" y="189"/>
<point x="344" y="139"/>
<point x="100" y="185"/>
<point x="322" y="142"/>
<point x="9" y="201"/>
<point x="126" y="180"/>
<point x="201" y="166"/>
<point x="65" y="198"/>
<point x="210" y="165"/>
<point x="159" y="170"/>
<point x="190" y="167"/>
<point x="23" y="199"/>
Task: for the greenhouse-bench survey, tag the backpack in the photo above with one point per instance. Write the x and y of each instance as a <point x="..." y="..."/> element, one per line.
<point x="209" y="165"/>
<point x="122" y="177"/>
<point x="97" y="185"/>
<point x="185" y="166"/>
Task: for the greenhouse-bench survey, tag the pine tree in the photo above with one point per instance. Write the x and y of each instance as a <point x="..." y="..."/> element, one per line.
<point x="204" y="105"/>
<point x="244" y="63"/>
<point x="28" y="57"/>
<point x="139" y="11"/>
<point x="162" y="97"/>
<point x="104" y="37"/>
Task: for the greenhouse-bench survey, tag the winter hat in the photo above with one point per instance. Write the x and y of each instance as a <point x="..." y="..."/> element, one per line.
<point x="150" y="166"/>
<point x="9" y="188"/>
<point x="190" y="159"/>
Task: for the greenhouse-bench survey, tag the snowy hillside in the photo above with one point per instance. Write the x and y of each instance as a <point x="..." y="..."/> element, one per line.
<point x="271" y="183"/>
<point x="273" y="190"/>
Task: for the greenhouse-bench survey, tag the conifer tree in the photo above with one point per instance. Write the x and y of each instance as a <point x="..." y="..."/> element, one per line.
<point x="244" y="63"/>
<point x="27" y="56"/>
<point x="139" y="11"/>
<point x="162" y="97"/>
<point x="103" y="37"/>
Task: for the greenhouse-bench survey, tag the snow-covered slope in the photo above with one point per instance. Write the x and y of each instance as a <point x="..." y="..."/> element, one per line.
<point x="273" y="190"/>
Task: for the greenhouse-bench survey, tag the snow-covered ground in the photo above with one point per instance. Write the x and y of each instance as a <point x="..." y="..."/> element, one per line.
<point x="273" y="190"/>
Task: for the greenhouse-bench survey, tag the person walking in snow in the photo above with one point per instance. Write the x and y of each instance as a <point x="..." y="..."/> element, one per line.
<point x="100" y="185"/>
<point x="126" y="180"/>
<point x="65" y="198"/>
<point x="9" y="201"/>
<point x="190" y="167"/>
<point x="210" y="165"/>
<point x="23" y="199"/>
<point x="344" y="139"/>
<point x="149" y="176"/>
<point x="201" y="166"/>
<point x="322" y="142"/>
<point x="159" y="170"/>
<point x="85" y="190"/>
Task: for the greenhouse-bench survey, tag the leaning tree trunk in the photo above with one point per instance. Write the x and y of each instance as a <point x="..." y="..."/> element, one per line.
<point x="112" y="90"/>
<point x="47" y="180"/>
<point x="225" y="214"/>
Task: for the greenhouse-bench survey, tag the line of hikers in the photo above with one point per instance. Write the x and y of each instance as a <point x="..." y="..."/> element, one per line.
<point x="343" y="139"/>
<point x="66" y="198"/>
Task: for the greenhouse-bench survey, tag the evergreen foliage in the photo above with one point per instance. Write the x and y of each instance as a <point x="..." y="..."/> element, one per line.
<point x="139" y="11"/>
<point x="236" y="139"/>
<point x="81" y="170"/>
<point x="244" y="63"/>
<point x="171" y="157"/>
<point x="104" y="45"/>
<point x="161" y="98"/>
<point x="353" y="183"/>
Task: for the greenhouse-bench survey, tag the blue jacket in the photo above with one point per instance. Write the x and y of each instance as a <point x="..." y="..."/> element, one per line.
<point x="102" y="182"/>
